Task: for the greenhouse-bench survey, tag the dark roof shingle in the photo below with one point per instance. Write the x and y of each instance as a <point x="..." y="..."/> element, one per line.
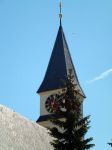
<point x="59" y="65"/>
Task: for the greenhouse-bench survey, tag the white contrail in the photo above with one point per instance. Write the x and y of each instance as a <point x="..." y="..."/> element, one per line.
<point x="101" y="76"/>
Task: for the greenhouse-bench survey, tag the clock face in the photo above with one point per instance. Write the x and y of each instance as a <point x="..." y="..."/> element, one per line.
<point x="52" y="103"/>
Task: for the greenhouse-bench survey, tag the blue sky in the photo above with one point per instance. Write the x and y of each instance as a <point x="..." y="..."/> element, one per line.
<point x="27" y="33"/>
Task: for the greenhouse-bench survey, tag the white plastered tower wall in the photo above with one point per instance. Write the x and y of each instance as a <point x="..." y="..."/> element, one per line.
<point x="45" y="95"/>
<point x="43" y="98"/>
<point x="44" y="112"/>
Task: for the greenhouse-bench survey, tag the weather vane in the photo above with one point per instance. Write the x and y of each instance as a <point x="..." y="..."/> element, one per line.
<point x="60" y="14"/>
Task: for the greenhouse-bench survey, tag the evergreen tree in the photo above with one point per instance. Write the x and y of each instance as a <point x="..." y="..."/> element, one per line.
<point x="69" y="131"/>
<point x="110" y="143"/>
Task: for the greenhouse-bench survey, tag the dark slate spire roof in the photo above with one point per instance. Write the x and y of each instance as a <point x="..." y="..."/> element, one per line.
<point x="59" y="65"/>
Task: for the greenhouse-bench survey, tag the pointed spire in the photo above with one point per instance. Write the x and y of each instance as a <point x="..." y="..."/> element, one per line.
<point x="60" y="14"/>
<point x="59" y="65"/>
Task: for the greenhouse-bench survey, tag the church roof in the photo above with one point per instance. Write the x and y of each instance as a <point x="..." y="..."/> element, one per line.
<point x="59" y="65"/>
<point x="19" y="133"/>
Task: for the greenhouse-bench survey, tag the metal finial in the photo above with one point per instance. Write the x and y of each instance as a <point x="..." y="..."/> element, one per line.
<point x="60" y="14"/>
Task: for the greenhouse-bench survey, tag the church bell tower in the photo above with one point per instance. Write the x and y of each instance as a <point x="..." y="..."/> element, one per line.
<point x="58" y="69"/>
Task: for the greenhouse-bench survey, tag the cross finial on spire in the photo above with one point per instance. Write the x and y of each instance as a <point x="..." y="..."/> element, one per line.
<point x="60" y="14"/>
